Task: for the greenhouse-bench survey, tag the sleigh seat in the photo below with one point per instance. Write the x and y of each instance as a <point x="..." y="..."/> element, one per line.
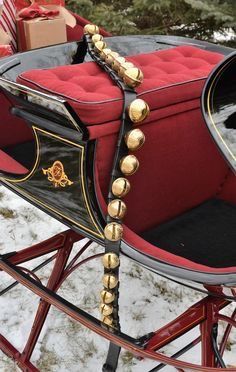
<point x="181" y="209"/>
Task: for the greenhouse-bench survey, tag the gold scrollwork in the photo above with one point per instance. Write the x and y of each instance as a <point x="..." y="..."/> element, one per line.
<point x="56" y="175"/>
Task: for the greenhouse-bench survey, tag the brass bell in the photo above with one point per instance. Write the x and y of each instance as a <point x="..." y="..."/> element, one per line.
<point x="90" y="29"/>
<point x="104" y="53"/>
<point x="121" y="187"/>
<point x="134" y="139"/>
<point x="107" y="297"/>
<point x="116" y="209"/>
<point x="110" y="260"/>
<point x="133" y="77"/>
<point x="124" y="67"/>
<point x="106" y="310"/>
<point x="138" y="110"/>
<point x="129" y="165"/>
<point x="97" y="37"/>
<point x="110" y="57"/>
<point x="117" y="63"/>
<point x="99" y="46"/>
<point x="113" y="231"/>
<point x="110" y="281"/>
<point x="108" y="320"/>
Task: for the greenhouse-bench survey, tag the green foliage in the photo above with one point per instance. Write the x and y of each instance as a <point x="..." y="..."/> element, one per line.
<point x="192" y="18"/>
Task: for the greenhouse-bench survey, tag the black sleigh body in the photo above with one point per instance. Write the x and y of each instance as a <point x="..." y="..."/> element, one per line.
<point x="134" y="168"/>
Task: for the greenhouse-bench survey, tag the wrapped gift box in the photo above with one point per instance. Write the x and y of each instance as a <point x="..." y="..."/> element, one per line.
<point x="20" y="4"/>
<point x="41" y="31"/>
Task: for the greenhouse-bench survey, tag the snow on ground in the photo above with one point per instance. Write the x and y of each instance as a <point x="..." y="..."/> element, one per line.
<point x="147" y="301"/>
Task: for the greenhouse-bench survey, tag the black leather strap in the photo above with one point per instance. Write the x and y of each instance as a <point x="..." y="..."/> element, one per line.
<point x="129" y="95"/>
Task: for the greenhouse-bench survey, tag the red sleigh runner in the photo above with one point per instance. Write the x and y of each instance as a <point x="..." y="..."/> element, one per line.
<point x="97" y="135"/>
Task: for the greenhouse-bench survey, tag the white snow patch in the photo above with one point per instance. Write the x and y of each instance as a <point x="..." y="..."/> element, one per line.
<point x="147" y="302"/>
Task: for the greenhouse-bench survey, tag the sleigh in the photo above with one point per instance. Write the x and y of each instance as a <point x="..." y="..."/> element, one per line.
<point x="131" y="145"/>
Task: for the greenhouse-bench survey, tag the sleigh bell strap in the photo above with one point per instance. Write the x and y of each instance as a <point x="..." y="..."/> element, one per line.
<point x="125" y="163"/>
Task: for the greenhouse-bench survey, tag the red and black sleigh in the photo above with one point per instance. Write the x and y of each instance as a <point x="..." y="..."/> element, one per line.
<point x="117" y="148"/>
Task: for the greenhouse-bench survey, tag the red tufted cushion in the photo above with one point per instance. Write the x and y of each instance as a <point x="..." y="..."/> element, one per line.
<point x="9" y="165"/>
<point x="179" y="71"/>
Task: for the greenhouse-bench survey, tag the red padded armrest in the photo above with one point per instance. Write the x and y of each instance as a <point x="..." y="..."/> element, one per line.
<point x="9" y="165"/>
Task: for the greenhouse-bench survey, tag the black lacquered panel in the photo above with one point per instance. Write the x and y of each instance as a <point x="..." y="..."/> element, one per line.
<point x="58" y="184"/>
<point x="219" y="107"/>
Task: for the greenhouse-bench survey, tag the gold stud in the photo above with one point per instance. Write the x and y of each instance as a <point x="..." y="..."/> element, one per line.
<point x="110" y="260"/>
<point x="117" y="209"/>
<point x="124" y="67"/>
<point x="104" y="53"/>
<point x="138" y="110"/>
<point x="117" y="63"/>
<point x="129" y="165"/>
<point x="113" y="231"/>
<point x="121" y="187"/>
<point x="110" y="57"/>
<point x="90" y="29"/>
<point x="110" y="281"/>
<point x="105" y="309"/>
<point x="108" y="320"/>
<point x="133" y="77"/>
<point x="107" y="297"/>
<point x="99" y="46"/>
<point x="97" y="37"/>
<point x="134" y="139"/>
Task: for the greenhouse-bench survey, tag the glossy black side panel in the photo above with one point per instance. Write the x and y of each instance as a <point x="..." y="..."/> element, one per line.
<point x="69" y="198"/>
<point x="219" y="107"/>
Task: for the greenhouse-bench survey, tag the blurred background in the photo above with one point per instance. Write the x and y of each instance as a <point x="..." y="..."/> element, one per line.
<point x="211" y="20"/>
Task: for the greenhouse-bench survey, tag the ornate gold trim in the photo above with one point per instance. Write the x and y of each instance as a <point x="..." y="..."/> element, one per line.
<point x="56" y="175"/>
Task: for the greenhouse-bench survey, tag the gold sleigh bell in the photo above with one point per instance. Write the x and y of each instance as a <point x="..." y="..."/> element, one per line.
<point x="133" y="77"/>
<point x="113" y="231"/>
<point x="117" y="62"/>
<point x="121" y="187"/>
<point x="111" y="57"/>
<point x="123" y="67"/>
<point x="97" y="37"/>
<point x="129" y="165"/>
<point x="106" y="309"/>
<point x="107" y="297"/>
<point x="91" y="29"/>
<point x="104" y="53"/>
<point x="138" y="110"/>
<point x="99" y="46"/>
<point x="110" y="260"/>
<point x="110" y="281"/>
<point x="134" y="139"/>
<point x="117" y="209"/>
<point x="108" y="320"/>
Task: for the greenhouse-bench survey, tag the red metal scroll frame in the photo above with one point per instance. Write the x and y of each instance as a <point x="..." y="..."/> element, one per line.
<point x="204" y="313"/>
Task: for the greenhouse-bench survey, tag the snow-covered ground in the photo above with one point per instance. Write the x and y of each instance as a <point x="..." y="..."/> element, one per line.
<point x="147" y="301"/>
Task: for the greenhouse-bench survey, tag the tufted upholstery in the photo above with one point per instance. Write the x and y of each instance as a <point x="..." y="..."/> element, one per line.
<point x="181" y="71"/>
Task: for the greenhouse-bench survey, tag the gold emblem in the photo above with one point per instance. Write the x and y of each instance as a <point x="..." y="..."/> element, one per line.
<point x="57" y="176"/>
